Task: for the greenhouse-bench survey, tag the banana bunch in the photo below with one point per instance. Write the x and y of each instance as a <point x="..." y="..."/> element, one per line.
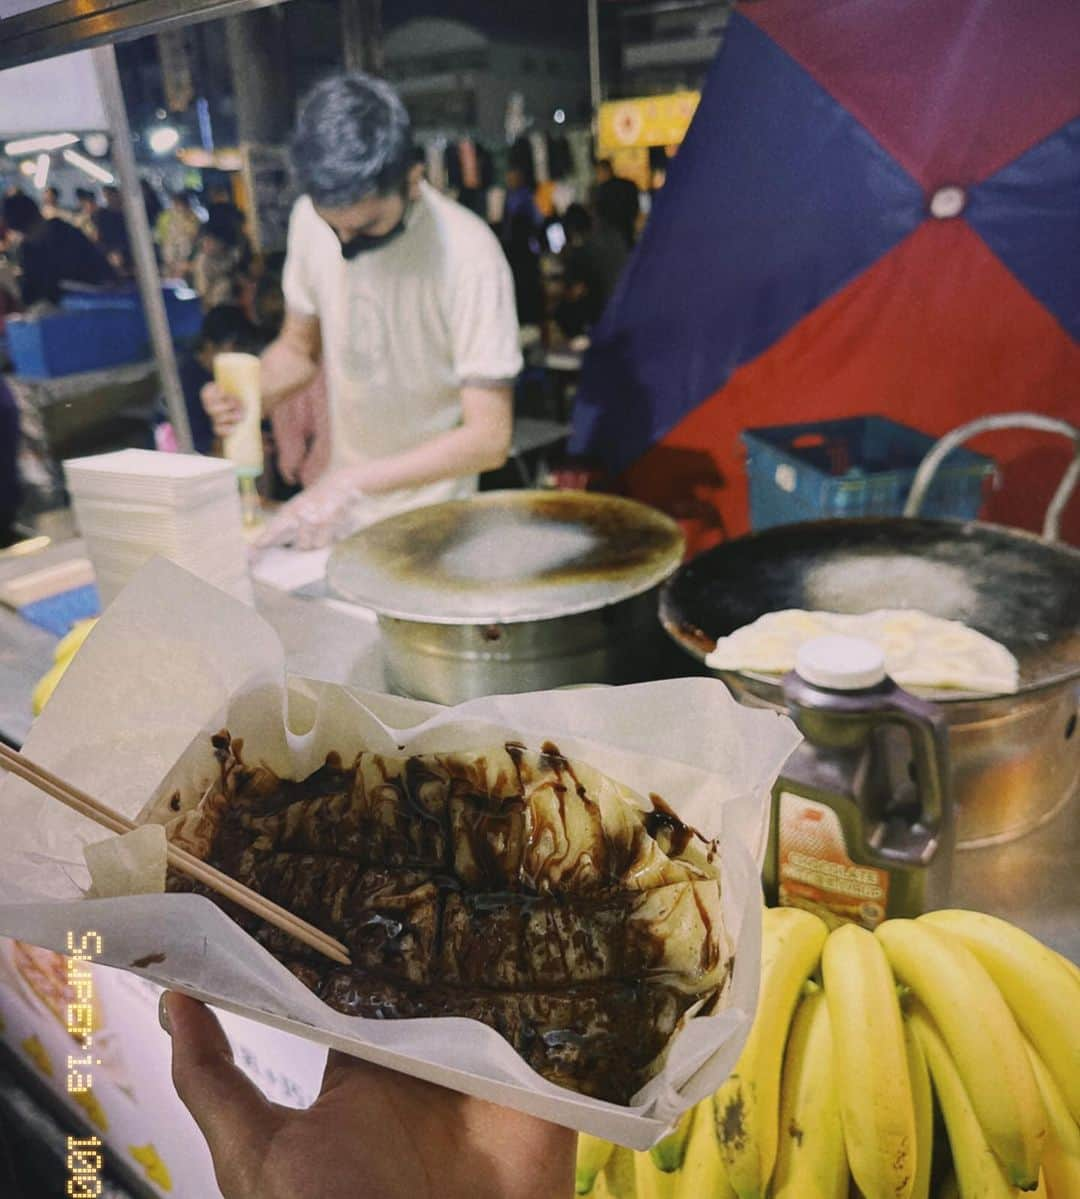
<point x="934" y="1057"/>
<point x="66" y="649"/>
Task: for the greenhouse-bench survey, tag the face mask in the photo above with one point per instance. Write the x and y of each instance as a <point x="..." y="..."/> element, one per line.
<point x="364" y="243"/>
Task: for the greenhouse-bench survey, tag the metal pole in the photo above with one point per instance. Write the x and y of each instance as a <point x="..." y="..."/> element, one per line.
<point x="594" y="57"/>
<point x="142" y="242"/>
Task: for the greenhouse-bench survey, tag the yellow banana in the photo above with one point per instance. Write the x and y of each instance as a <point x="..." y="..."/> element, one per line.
<point x="1069" y="965"/>
<point x="593" y="1155"/>
<point x="1042" y="996"/>
<point x="923" y="1100"/>
<point x="599" y="1189"/>
<point x="1061" y="1158"/>
<point x="983" y="1039"/>
<point x="872" y="1084"/>
<point x="746" y="1107"/>
<point x="978" y="1170"/>
<point x="651" y="1182"/>
<point x="703" y="1175"/>
<point x="810" y="1161"/>
<point x="619" y="1174"/>
<point x="669" y="1153"/>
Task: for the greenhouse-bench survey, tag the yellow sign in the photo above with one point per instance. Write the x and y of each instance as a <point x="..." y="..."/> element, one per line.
<point x="648" y="121"/>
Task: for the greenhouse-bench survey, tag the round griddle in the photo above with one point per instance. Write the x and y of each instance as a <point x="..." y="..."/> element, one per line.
<point x="507" y="556"/>
<point x="1012" y="586"/>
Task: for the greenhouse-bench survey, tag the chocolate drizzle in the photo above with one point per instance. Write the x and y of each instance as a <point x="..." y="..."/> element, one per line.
<point x="481" y="885"/>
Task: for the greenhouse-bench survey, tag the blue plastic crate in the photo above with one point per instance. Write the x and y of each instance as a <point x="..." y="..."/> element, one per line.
<point x="67" y="343"/>
<point x="182" y="307"/>
<point x="860" y="466"/>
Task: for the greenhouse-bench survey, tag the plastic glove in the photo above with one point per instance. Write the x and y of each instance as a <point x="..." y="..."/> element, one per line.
<point x="327" y="511"/>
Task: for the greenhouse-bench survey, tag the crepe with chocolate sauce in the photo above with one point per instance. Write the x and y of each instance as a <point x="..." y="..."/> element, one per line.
<point x="512" y="886"/>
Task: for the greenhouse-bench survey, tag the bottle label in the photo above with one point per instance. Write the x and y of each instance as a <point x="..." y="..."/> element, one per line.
<point x="815" y="871"/>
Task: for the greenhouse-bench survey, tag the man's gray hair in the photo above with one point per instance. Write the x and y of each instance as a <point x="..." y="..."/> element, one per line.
<point x="352" y="140"/>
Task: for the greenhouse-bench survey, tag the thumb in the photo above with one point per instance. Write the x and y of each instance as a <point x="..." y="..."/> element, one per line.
<point x="232" y="1113"/>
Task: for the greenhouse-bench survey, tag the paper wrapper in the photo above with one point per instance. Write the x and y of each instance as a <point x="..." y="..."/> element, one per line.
<point x="174" y="660"/>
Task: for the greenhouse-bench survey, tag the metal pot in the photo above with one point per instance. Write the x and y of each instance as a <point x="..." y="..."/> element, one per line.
<point x="449" y="663"/>
<point x="1015" y="759"/>
<point x="513" y="591"/>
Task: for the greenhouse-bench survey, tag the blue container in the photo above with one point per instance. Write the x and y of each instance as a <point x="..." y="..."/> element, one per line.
<point x="181" y="307"/>
<point x="861" y="466"/>
<point x="68" y="343"/>
<point x="95" y="330"/>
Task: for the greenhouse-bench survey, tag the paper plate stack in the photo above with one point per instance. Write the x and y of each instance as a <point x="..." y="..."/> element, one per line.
<point x="134" y="505"/>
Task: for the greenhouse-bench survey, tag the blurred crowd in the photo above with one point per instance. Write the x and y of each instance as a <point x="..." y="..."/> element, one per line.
<point x="48" y="245"/>
<point x="566" y="262"/>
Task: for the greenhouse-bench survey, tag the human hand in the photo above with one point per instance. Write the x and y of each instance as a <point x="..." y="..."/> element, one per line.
<point x="225" y="411"/>
<point x="320" y="514"/>
<point x="371" y="1133"/>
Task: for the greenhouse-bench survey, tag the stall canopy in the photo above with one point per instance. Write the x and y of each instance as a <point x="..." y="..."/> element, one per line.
<point x="34" y="29"/>
<point x="875" y="210"/>
<point x="65" y="97"/>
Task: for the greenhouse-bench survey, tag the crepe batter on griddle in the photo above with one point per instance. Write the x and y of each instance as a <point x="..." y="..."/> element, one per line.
<point x="510" y="886"/>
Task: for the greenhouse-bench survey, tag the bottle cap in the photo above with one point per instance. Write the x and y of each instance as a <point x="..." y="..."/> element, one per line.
<point x="841" y="663"/>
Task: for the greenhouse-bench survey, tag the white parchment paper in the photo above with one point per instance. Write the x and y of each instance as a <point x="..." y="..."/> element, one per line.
<point x="174" y="659"/>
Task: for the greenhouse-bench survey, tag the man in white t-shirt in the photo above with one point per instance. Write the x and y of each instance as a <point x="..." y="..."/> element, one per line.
<point x="405" y="299"/>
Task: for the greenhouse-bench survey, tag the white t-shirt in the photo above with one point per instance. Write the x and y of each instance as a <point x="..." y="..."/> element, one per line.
<point x="403" y="327"/>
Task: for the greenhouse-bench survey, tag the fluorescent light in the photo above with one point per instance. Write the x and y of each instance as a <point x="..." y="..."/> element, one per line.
<point x="163" y="139"/>
<point x="33" y="145"/>
<point x="41" y="171"/>
<point x="88" y="166"/>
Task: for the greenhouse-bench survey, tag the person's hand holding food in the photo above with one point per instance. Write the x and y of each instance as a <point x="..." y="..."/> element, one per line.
<point x="370" y="1134"/>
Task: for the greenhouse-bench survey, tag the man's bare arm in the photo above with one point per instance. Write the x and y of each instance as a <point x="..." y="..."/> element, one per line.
<point x="291" y="361"/>
<point x="481" y="442"/>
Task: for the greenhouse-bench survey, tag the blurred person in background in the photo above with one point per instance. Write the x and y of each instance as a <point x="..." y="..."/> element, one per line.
<point x="406" y="301"/>
<point x="9" y="458"/>
<point x="176" y="232"/>
<point x="618" y="198"/>
<point x="222" y="211"/>
<point x="50" y="253"/>
<point x="85" y="216"/>
<point x="300" y="423"/>
<point x="218" y="264"/>
<point x="112" y="231"/>
<point x="593" y="258"/>
<point x="151" y="202"/>
<point x="51" y="208"/>
<point x="521" y="227"/>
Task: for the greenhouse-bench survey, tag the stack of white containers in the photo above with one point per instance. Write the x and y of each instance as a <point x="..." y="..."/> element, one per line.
<point x="134" y="505"/>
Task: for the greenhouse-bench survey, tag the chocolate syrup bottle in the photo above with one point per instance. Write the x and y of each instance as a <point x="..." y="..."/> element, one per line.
<point x="862" y="825"/>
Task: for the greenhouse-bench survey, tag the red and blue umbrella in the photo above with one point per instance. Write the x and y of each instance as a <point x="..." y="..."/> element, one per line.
<point x="875" y="210"/>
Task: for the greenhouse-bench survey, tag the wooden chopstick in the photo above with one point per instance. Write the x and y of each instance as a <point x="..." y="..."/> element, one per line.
<point x="178" y="858"/>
